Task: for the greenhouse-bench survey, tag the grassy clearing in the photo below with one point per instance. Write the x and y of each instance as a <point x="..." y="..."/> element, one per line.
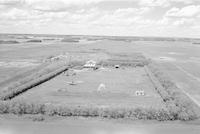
<point x="177" y="102"/>
<point x="120" y="88"/>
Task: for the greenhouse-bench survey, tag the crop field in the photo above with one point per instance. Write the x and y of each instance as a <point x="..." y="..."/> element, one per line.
<point x="185" y="78"/>
<point x="119" y="90"/>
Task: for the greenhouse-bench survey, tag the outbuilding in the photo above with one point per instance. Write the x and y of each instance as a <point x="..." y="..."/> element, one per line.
<point x="139" y="93"/>
<point x="117" y="66"/>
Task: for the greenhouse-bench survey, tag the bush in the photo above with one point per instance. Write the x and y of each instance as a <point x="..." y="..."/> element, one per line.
<point x="4" y="107"/>
<point x="22" y="107"/>
<point x="38" y="118"/>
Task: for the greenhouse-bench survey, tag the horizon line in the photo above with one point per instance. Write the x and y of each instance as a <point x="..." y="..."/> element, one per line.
<point x="179" y="37"/>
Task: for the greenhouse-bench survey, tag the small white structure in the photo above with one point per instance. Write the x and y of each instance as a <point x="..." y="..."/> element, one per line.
<point x="117" y="66"/>
<point x="56" y="58"/>
<point x="139" y="93"/>
<point x="90" y="64"/>
<point x="101" y="87"/>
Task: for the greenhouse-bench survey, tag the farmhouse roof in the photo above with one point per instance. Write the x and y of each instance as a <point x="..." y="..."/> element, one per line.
<point x="91" y="61"/>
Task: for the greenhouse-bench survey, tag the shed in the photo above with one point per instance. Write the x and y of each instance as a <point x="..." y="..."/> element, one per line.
<point x="117" y="66"/>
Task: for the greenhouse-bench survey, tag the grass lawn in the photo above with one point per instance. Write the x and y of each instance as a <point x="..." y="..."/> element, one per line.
<point x="119" y="91"/>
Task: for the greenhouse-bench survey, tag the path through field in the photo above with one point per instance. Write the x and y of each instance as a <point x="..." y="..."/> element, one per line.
<point x="187" y="73"/>
<point x="193" y="77"/>
<point x="185" y="78"/>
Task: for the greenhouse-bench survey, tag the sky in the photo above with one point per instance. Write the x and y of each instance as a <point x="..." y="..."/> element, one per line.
<point x="166" y="18"/>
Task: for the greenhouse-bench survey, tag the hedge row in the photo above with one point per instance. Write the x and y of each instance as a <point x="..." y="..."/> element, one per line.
<point x="38" y="72"/>
<point x="123" y="63"/>
<point x="177" y="102"/>
<point x="9" y="42"/>
<point x="32" y="81"/>
<point x="20" y="107"/>
<point x="158" y="87"/>
<point x="22" y="75"/>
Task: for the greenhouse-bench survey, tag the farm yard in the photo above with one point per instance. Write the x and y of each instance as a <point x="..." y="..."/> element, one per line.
<point x="119" y="89"/>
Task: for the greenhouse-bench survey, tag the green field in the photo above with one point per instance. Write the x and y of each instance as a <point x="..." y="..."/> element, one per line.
<point x="119" y="91"/>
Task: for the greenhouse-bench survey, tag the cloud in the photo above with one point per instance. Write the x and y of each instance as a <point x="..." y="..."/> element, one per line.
<point x="131" y="11"/>
<point x="63" y="5"/>
<point x="58" y="5"/>
<point x="122" y="17"/>
<point x="11" y="2"/>
<point x="188" y="11"/>
<point x="184" y="1"/>
<point x="165" y="3"/>
<point x="183" y="22"/>
<point x="90" y="17"/>
<point x="47" y="5"/>
<point x="154" y="3"/>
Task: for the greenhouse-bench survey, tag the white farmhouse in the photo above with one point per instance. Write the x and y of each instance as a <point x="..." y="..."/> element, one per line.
<point x="90" y="64"/>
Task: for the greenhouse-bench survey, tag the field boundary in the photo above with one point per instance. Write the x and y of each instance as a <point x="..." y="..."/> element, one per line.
<point x="193" y="77"/>
<point x="9" y="94"/>
<point x="177" y="102"/>
<point x="21" y="74"/>
<point x="135" y="113"/>
<point x="158" y="87"/>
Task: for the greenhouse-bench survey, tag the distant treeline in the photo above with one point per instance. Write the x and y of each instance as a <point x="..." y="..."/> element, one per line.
<point x="90" y="37"/>
<point x="8" y="42"/>
<point x="34" y="40"/>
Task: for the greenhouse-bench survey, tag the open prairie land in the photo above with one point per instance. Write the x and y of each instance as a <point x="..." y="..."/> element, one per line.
<point x="44" y="75"/>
